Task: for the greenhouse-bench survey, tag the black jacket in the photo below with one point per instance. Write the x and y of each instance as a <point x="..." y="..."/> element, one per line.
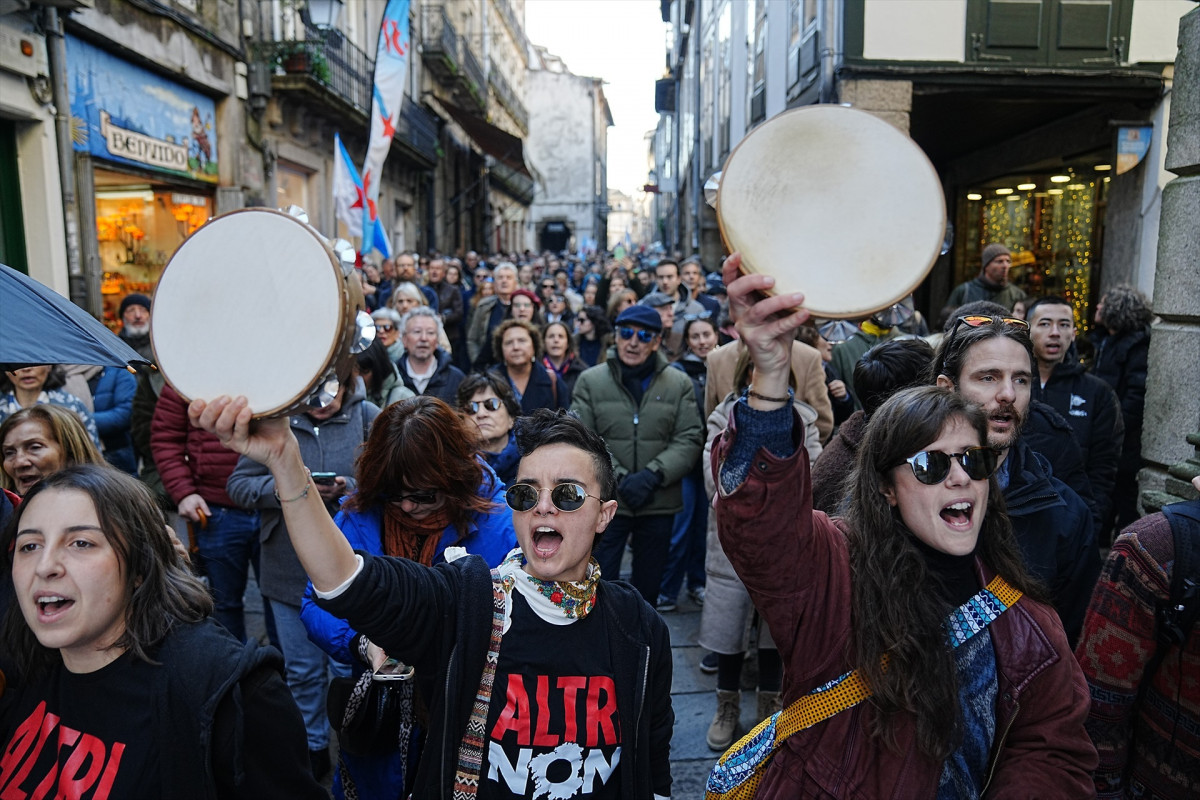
<point x="1092" y="410"/>
<point x="1048" y="434"/>
<point x="1121" y="362"/>
<point x="444" y="383"/>
<point x="1054" y="530"/>
<point x="539" y="393"/>
<point x="439" y="619"/>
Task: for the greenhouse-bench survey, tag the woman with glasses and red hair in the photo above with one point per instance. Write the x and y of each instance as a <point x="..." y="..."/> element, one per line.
<point x="919" y="658"/>
<point x="422" y="488"/>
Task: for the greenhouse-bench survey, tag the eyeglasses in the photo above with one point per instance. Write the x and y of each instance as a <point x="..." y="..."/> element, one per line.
<point x="931" y="467"/>
<point x="491" y="404"/>
<point x="978" y="321"/>
<point x="644" y="336"/>
<point x="565" y="496"/>
<point x="384" y="328"/>
<point x="421" y="497"/>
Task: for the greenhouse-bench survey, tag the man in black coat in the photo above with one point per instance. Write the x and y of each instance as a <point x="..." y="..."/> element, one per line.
<point x="1087" y="402"/>
<point x="425" y="368"/>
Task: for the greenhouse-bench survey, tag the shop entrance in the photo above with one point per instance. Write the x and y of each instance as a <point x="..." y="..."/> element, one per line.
<point x="139" y="225"/>
<point x="554" y="237"/>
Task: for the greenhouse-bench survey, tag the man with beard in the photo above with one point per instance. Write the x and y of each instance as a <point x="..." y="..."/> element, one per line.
<point x="989" y="360"/>
<point x="135" y="324"/>
<point x="406" y="272"/>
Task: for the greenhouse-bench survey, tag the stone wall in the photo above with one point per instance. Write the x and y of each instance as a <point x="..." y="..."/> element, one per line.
<point x="1173" y="387"/>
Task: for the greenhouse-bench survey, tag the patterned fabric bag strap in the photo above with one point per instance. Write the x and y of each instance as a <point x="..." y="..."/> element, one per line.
<point x="470" y="752"/>
<point x="737" y="773"/>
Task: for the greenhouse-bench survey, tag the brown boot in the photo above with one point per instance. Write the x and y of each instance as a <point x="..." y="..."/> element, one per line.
<point x="725" y="721"/>
<point x="768" y="704"/>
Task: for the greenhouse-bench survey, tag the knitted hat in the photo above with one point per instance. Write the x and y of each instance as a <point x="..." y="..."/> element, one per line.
<point x="641" y="316"/>
<point x="994" y="251"/>
<point x="134" y="300"/>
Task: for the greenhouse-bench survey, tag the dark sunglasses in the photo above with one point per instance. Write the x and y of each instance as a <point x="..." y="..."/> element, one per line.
<point x="385" y="328"/>
<point x="644" y="336"/>
<point x="423" y="497"/>
<point x="491" y="404"/>
<point x="978" y="321"/>
<point x="565" y="496"/>
<point x="931" y="467"/>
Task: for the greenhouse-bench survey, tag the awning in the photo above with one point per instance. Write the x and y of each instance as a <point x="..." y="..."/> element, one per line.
<point x="496" y="142"/>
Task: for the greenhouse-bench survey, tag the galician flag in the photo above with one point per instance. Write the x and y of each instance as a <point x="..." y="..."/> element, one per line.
<point x="391" y="69"/>
<point x="349" y="198"/>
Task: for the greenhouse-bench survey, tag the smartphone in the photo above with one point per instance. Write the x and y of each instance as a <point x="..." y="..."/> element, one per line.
<point x="324" y="478"/>
<point x="393" y="670"/>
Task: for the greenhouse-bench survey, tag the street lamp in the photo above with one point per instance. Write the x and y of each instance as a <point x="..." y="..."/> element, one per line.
<point x="325" y="14"/>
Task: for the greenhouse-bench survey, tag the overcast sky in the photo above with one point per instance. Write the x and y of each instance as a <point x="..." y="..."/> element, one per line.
<point x="623" y="42"/>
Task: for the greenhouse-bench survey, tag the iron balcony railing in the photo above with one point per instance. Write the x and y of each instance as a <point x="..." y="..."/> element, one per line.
<point x="439" y="40"/>
<point x="508" y="98"/>
<point x="329" y="59"/>
<point x="418" y="129"/>
<point x="476" y="78"/>
<point x="514" y="25"/>
<point x="518" y="185"/>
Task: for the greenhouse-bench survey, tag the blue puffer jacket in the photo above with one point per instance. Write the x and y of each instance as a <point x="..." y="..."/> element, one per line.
<point x="112" y="398"/>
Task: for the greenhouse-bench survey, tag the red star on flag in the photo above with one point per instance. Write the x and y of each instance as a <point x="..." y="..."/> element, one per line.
<point x="389" y="129"/>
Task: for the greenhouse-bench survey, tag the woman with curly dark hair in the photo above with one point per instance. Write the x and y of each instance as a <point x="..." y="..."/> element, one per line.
<point x="128" y="687"/>
<point x="1122" y="341"/>
<point x="517" y="346"/>
<point x="422" y="488"/>
<point x="914" y="643"/>
<point x="593" y="333"/>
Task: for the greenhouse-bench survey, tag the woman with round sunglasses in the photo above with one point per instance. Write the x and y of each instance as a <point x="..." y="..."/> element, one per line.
<point x="486" y="399"/>
<point x="538" y="677"/>
<point x="958" y="679"/>
<point x="421" y="489"/>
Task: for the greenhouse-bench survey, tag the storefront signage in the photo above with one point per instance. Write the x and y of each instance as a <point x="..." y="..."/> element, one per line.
<point x="126" y="114"/>
<point x="1132" y="144"/>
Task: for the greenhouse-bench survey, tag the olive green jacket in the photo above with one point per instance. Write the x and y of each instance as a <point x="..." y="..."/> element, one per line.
<point x="663" y="433"/>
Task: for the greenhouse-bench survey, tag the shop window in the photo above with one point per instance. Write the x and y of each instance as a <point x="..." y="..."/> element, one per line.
<point x="138" y="228"/>
<point x="1051" y="223"/>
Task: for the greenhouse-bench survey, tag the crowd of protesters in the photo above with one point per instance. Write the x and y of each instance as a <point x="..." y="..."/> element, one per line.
<point x="829" y="507"/>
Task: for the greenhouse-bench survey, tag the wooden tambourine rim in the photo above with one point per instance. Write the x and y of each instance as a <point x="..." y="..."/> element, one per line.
<point x="338" y="343"/>
<point x="865" y="311"/>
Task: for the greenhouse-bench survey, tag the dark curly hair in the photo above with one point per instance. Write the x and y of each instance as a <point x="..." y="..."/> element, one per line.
<point x="1125" y="309"/>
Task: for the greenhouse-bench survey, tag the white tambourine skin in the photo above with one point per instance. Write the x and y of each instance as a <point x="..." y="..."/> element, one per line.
<point x="836" y="203"/>
<point x="252" y="304"/>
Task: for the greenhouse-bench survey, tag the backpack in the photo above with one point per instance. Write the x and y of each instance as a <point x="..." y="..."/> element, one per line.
<point x="1175" y="617"/>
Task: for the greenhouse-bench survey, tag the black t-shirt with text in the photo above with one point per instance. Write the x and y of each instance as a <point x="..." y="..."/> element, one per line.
<point x="552" y="730"/>
<point x="87" y="736"/>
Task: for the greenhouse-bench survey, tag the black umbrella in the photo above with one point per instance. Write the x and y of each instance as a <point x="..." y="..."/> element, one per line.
<point x="39" y="326"/>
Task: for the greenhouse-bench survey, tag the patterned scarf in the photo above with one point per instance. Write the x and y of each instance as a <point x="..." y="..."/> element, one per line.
<point x="556" y="602"/>
<point x="416" y="540"/>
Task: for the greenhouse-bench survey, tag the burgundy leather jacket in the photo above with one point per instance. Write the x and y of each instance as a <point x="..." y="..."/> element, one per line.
<point x="795" y="563"/>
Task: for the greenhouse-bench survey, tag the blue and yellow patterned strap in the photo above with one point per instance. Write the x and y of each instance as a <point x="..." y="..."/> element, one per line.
<point x="752" y="750"/>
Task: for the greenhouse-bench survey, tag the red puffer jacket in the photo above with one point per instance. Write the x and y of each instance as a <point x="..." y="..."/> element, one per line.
<point x="189" y="460"/>
<point x="795" y="563"/>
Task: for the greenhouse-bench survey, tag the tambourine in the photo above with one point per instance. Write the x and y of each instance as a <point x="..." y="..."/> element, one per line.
<point x="258" y="303"/>
<point x="835" y="203"/>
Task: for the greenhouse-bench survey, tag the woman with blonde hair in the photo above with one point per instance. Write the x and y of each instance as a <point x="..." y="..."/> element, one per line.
<point x="40" y="440"/>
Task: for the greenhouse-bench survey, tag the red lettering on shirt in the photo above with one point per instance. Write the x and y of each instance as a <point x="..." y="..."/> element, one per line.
<point x="600" y="717"/>
<point x="85" y="760"/>
<point x="570" y="688"/>
<point x="515" y="716"/>
<point x="542" y="737"/>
